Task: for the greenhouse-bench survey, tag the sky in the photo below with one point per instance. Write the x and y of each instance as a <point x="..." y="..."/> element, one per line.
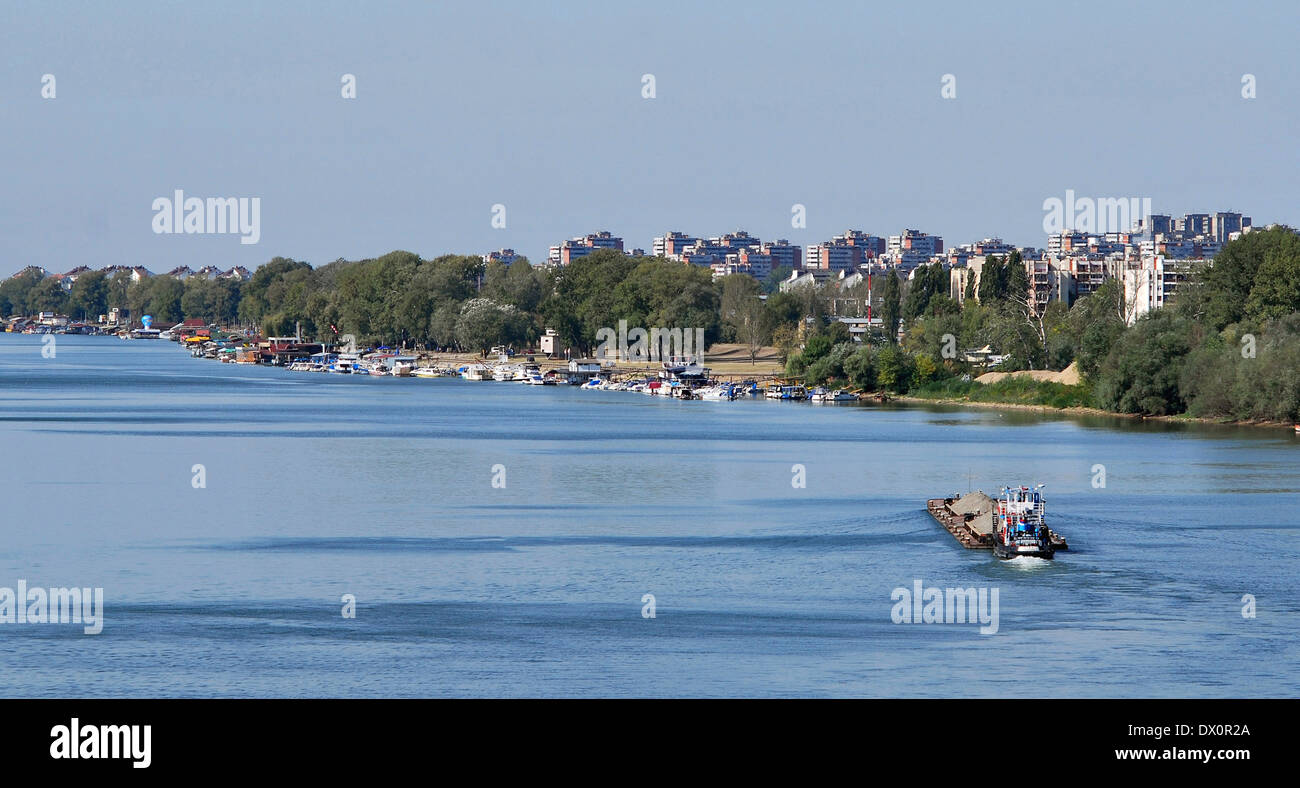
<point x="539" y="107"/>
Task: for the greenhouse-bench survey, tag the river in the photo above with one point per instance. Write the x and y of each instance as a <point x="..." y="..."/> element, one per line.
<point x="501" y="540"/>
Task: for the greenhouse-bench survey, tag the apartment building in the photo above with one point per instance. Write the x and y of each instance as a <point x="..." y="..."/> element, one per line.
<point x="581" y="246"/>
<point x="1152" y="283"/>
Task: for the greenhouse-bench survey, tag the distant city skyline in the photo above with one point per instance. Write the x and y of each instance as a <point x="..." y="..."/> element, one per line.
<point x="487" y="126"/>
<point x="1190" y="236"/>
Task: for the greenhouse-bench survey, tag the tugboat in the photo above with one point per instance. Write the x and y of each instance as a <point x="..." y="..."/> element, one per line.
<point x="1018" y="525"/>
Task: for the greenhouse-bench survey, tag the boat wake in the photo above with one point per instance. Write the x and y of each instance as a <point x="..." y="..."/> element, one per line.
<point x="1027" y="563"/>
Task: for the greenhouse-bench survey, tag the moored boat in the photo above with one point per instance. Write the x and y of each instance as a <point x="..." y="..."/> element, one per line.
<point x="403" y="366"/>
<point x="346" y="364"/>
<point x="477" y="372"/>
<point x="787" y="392"/>
<point x="838" y="395"/>
<point x="722" y="392"/>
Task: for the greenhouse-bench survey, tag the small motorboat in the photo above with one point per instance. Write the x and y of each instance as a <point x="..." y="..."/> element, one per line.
<point x="724" y="392"/>
<point x="838" y="395"/>
<point x="787" y="393"/>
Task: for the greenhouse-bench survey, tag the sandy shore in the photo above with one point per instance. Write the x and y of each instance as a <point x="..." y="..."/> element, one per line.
<point x="725" y="360"/>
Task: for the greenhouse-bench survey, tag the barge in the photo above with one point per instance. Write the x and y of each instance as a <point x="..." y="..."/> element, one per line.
<point x="972" y="519"/>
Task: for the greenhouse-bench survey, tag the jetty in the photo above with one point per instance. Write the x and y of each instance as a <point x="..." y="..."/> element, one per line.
<point x="969" y="518"/>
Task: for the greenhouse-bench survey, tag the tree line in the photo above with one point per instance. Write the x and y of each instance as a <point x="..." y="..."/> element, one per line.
<point x="1227" y="347"/>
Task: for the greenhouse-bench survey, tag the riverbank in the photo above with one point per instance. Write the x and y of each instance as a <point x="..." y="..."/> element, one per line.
<point x="1077" y="410"/>
<point x="725" y="360"/>
<point x="1009" y="392"/>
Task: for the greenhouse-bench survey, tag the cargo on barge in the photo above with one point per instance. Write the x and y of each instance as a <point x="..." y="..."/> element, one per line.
<point x="972" y="519"/>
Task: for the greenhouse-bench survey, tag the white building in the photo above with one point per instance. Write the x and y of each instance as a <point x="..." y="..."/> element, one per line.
<point x="1151" y="283"/>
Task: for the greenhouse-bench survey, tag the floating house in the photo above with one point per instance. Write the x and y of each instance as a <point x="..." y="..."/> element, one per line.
<point x="583" y="369"/>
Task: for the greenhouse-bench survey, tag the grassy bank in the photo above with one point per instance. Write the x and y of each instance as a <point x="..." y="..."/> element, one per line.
<point x="1028" y="394"/>
<point x="1009" y="391"/>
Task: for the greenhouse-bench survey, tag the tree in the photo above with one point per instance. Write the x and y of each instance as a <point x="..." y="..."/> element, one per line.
<point x="1034" y="315"/>
<point x="164" y="299"/>
<point x="1219" y="381"/>
<point x="738" y="290"/>
<point x="1254" y="276"/>
<point x="442" y="325"/>
<point x="755" y="330"/>
<point x="839" y="333"/>
<point x="1276" y="291"/>
<point x="47" y="295"/>
<point x="786" y="339"/>
<point x="214" y="301"/>
<point x="928" y="334"/>
<point x="943" y="305"/>
<point x="780" y="273"/>
<point x="831" y="366"/>
<point x="1015" y="277"/>
<point x="861" y="368"/>
<point x="816" y="347"/>
<point x="15" y="292"/>
<point x="891" y="307"/>
<point x="785" y="308"/>
<point x="893" y="369"/>
<point x="89" y="296"/>
<point x="483" y="324"/>
<point x="522" y="285"/>
<point x="119" y="289"/>
<point x="1141" y="373"/>
<point x="926" y="369"/>
<point x="1093" y="325"/>
<point x="258" y="295"/>
<point x="928" y="282"/>
<point x="993" y="280"/>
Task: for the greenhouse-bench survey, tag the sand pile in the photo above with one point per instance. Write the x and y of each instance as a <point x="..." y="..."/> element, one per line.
<point x="1068" y="376"/>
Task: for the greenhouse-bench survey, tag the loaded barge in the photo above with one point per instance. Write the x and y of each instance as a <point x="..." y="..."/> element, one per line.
<point x="1010" y="526"/>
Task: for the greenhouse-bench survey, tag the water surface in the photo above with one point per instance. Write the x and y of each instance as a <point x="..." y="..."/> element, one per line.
<point x="323" y="485"/>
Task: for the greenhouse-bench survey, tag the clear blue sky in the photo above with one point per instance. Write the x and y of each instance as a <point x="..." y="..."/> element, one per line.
<point x="538" y="106"/>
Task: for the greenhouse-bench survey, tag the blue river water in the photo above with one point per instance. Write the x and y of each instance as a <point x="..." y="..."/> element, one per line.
<point x="319" y="486"/>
